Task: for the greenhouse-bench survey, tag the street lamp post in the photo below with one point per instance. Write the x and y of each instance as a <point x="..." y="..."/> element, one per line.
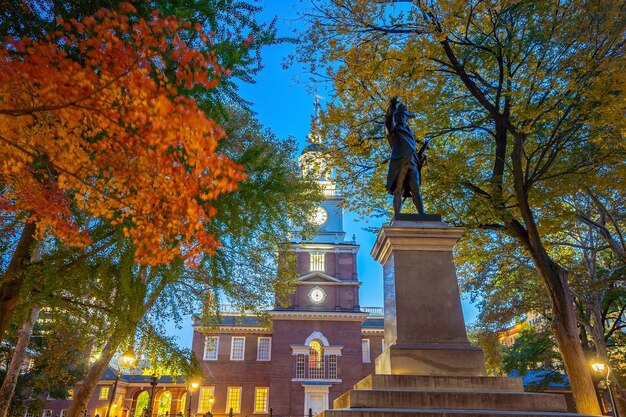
<point x="154" y="381"/>
<point x="125" y="361"/>
<point x="192" y="386"/>
<point x="601" y="368"/>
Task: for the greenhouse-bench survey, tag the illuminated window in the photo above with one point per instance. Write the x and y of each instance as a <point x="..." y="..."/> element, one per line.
<point x="233" y="399"/>
<point x="104" y="393"/>
<point x="365" y="350"/>
<point x="237" y="348"/>
<point x="261" y="397"/>
<point x="211" y="343"/>
<point x="316" y="360"/>
<point x="264" y="349"/>
<point x="300" y="366"/>
<point x="70" y="394"/>
<point x="332" y="366"/>
<point x="317" y="261"/>
<point x="204" y="405"/>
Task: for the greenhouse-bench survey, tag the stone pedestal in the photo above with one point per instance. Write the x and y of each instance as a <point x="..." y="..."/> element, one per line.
<point x="424" y="327"/>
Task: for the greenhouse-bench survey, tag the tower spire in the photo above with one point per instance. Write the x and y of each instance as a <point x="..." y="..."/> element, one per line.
<point x="315" y="135"/>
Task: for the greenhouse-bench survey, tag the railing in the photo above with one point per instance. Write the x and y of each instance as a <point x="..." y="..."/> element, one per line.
<point x="374" y="311"/>
<point x="235" y="310"/>
<point x="231" y="413"/>
<point x="232" y="309"/>
<point x="331" y="192"/>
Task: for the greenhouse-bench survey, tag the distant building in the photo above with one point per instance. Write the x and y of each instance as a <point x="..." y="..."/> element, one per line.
<point x="508" y="336"/>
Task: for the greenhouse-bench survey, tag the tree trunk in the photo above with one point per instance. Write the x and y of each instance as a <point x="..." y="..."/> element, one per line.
<point x="89" y="383"/>
<point x="11" y="280"/>
<point x="17" y="360"/>
<point x="555" y="279"/>
<point x="576" y="363"/>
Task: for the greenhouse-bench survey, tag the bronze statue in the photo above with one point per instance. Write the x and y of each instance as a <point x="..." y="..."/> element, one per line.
<point x="405" y="164"/>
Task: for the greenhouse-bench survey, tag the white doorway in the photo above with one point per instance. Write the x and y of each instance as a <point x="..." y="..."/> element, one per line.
<point x="315" y="398"/>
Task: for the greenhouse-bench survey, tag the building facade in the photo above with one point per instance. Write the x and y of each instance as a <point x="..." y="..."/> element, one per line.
<point x="312" y="350"/>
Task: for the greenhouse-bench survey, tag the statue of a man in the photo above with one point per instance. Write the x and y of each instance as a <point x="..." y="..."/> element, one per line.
<point x="405" y="165"/>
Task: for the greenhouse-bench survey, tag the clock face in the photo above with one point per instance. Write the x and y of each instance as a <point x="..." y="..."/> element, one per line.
<point x="317" y="295"/>
<point x="319" y="216"/>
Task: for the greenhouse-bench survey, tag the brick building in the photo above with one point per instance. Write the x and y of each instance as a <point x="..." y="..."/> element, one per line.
<point x="310" y="351"/>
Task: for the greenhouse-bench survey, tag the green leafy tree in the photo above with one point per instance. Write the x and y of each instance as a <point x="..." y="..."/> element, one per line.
<point x="534" y="351"/>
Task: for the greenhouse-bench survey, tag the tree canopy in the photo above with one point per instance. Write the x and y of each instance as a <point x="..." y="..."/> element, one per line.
<point x="523" y="102"/>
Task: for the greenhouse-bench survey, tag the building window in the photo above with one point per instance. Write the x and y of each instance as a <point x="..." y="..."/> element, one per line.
<point x="63" y="412"/>
<point x="264" y="349"/>
<point x="237" y="348"/>
<point x="261" y="397"/>
<point x="204" y="404"/>
<point x="316" y="360"/>
<point x="47" y="413"/>
<point x="332" y="366"/>
<point x="104" y="393"/>
<point x="317" y="261"/>
<point x="300" y="366"/>
<point x="382" y="344"/>
<point x="233" y="400"/>
<point x="211" y="343"/>
<point x="365" y="348"/>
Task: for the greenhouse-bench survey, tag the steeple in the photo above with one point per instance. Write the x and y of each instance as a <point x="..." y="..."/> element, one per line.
<point x="313" y="163"/>
<point x="315" y="135"/>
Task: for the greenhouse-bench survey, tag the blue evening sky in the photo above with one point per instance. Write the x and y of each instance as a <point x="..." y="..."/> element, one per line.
<point x="282" y="103"/>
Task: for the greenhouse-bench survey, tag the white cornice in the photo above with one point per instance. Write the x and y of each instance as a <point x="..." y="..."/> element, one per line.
<point x="372" y="331"/>
<point x="234" y="329"/>
<point x="330" y="280"/>
<point x="330" y="247"/>
<point x="318" y="315"/>
<point x="320" y="274"/>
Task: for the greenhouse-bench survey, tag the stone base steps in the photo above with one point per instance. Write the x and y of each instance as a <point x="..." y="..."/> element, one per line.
<point x="444" y="396"/>
<point x="453" y="400"/>
<point x="398" y="412"/>
<point x="447" y="383"/>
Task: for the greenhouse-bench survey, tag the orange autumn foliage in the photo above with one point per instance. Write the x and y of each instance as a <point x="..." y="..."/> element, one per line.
<point x="91" y="118"/>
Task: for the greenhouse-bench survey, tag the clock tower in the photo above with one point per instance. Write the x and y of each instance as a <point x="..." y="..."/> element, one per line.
<point x="326" y="263"/>
<point x="322" y="327"/>
<point x="310" y="350"/>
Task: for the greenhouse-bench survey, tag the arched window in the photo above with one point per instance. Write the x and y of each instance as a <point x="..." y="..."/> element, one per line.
<point x="143" y="401"/>
<point x="165" y="403"/>
<point x="316" y="359"/>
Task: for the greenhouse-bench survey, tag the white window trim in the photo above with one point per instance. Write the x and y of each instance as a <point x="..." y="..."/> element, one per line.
<point x="198" y="409"/>
<point x="215" y="350"/>
<point x="232" y="348"/>
<point x="100" y="397"/>
<point x="366" y="358"/>
<point x="267" y="401"/>
<point x="47" y="412"/>
<point x="258" y="349"/>
<point x="317" y="261"/>
<point x="228" y="397"/>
